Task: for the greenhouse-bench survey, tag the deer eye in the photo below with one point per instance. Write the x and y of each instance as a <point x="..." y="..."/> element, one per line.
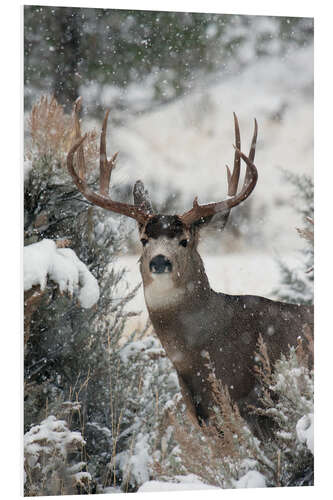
<point x="183" y="243"/>
<point x="144" y="241"/>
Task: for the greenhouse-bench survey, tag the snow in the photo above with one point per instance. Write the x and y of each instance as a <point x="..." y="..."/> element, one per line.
<point x="43" y="261"/>
<point x="111" y="490"/>
<point x="27" y="167"/>
<point x="48" y="444"/>
<point x="131" y="349"/>
<point x="252" y="479"/>
<point x="182" y="483"/>
<point x="305" y="431"/>
<point x="48" y="435"/>
<point x="141" y="459"/>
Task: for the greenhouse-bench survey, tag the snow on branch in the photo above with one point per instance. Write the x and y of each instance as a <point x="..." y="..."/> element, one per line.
<point x="47" y="447"/>
<point x="43" y="261"/>
<point x="305" y="431"/>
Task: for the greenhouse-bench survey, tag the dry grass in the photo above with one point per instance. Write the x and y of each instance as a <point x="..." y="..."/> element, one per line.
<point x="306" y="233"/>
<point x="183" y="449"/>
<point x="53" y="132"/>
<point x="305" y="349"/>
<point x="32" y="300"/>
<point x="47" y="466"/>
<point x="219" y="451"/>
<point x="209" y="452"/>
<point x="227" y="425"/>
<point x="49" y="126"/>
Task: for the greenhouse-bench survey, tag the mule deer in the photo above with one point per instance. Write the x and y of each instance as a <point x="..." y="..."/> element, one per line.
<point x="192" y="321"/>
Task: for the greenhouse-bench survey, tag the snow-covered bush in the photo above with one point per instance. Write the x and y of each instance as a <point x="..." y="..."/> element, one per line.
<point x="226" y="453"/>
<point x="69" y="346"/>
<point x="140" y="399"/>
<point x="43" y="261"/>
<point x="49" y="468"/>
<point x="287" y="397"/>
<point x="305" y="431"/>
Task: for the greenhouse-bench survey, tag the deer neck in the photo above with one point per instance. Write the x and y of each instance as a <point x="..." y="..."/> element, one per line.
<point x="172" y="292"/>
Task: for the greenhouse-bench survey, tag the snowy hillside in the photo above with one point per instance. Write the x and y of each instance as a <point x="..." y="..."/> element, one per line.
<point x="184" y="146"/>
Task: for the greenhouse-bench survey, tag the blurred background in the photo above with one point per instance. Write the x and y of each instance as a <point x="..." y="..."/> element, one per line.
<point x="172" y="81"/>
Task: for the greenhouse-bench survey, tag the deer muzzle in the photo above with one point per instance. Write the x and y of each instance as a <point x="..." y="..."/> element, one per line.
<point x="160" y="264"/>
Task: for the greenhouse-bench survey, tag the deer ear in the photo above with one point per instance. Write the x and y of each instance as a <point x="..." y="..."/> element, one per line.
<point x="220" y="219"/>
<point x="142" y="198"/>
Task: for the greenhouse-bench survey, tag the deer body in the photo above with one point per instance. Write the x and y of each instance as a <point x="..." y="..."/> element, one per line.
<point x="200" y="330"/>
<point x="223" y="334"/>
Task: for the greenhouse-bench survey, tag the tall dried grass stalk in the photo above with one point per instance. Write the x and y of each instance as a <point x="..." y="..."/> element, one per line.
<point x="53" y="132"/>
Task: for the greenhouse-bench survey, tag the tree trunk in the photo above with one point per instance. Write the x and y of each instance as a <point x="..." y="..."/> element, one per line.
<point x="67" y="56"/>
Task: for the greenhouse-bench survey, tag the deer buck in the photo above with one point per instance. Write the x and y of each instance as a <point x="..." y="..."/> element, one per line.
<point x="192" y="321"/>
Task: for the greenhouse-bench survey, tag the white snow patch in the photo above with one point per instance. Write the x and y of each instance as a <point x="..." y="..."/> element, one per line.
<point x="138" y="465"/>
<point x="305" y="431"/>
<point x="43" y="261"/>
<point x="132" y="349"/>
<point x="111" y="489"/>
<point x="27" y="167"/>
<point x="252" y="479"/>
<point x="182" y="483"/>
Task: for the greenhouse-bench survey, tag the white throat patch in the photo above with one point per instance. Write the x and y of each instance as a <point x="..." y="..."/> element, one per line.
<point x="162" y="293"/>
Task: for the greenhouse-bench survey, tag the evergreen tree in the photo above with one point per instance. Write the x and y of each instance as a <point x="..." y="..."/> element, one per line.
<point x="67" y="350"/>
<point x="164" y="51"/>
<point x="296" y="284"/>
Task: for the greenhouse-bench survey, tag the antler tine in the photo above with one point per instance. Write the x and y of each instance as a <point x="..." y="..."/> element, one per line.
<point x="249" y="160"/>
<point x="100" y="199"/>
<point x="253" y="143"/>
<point x="79" y="181"/>
<point x="233" y="178"/>
<point x="106" y="166"/>
<point x="198" y="212"/>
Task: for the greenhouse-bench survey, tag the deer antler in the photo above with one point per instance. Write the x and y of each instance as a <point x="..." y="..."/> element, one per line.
<point x="198" y="212"/>
<point x="100" y="199"/>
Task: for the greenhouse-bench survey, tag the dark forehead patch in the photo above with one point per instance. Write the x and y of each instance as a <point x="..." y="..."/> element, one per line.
<point x="164" y="225"/>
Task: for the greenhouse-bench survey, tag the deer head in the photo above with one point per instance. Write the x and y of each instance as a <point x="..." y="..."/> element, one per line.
<point x="169" y="242"/>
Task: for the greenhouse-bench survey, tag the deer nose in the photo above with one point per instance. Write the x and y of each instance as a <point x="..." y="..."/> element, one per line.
<point x="160" y="264"/>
